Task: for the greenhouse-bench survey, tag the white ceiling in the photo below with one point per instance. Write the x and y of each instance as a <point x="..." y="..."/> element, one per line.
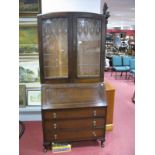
<point x="122" y="13"/>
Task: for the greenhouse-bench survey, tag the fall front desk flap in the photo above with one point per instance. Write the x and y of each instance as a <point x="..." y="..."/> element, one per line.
<point x="73" y="95"/>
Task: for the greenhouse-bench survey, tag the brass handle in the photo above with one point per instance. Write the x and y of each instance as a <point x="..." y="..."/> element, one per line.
<point x="94" y="123"/>
<point x="55" y="125"/>
<point x="94" y="112"/>
<point x="54" y="115"/>
<point x="94" y="134"/>
<point x="55" y="136"/>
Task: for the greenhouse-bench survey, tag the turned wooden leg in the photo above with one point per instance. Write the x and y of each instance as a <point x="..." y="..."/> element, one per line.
<point x="44" y="149"/>
<point x="46" y="146"/>
<point x="102" y="143"/>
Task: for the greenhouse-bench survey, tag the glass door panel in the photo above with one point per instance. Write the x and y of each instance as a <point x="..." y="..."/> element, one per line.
<point x="88" y="47"/>
<point x="55" y="47"/>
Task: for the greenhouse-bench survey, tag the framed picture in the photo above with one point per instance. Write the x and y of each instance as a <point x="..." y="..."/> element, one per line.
<point x="29" y="8"/>
<point x="22" y="95"/>
<point x="28" y="40"/>
<point x="29" y="71"/>
<point x="33" y="96"/>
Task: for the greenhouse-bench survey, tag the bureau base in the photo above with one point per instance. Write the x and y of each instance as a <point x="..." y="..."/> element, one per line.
<point x="73" y="112"/>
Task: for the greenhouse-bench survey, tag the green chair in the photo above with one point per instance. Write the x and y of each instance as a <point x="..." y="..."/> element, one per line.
<point x="126" y="63"/>
<point x="119" y="64"/>
<point x="132" y="68"/>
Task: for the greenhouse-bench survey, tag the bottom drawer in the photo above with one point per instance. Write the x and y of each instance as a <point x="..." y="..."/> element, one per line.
<point x="74" y="135"/>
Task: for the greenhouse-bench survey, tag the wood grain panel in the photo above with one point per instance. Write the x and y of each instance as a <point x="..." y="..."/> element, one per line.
<point x="74" y="113"/>
<point x="87" y="123"/>
<point x="74" y="135"/>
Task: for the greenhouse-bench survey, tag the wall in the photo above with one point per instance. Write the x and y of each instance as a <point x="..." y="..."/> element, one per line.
<point x="128" y="32"/>
<point x="71" y="5"/>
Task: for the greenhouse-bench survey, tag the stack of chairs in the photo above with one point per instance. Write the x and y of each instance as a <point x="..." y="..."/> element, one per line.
<point x="122" y="64"/>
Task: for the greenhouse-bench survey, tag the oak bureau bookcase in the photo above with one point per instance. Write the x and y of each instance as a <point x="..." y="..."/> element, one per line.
<point x="71" y="56"/>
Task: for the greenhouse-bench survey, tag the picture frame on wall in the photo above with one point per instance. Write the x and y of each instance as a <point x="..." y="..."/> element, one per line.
<point x="22" y="95"/>
<point x="33" y="96"/>
<point x="29" y="71"/>
<point x="29" y="8"/>
<point x="28" y="40"/>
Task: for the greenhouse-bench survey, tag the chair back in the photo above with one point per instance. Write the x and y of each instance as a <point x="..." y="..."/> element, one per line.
<point x="116" y="61"/>
<point x="126" y="60"/>
<point x="132" y="64"/>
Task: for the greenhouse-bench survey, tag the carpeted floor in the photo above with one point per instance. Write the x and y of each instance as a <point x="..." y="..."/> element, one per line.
<point x="120" y="141"/>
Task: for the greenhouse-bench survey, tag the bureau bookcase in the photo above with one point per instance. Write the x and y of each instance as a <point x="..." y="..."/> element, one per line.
<point x="71" y="57"/>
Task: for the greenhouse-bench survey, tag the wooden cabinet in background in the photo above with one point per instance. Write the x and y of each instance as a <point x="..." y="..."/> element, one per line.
<point x="110" y="94"/>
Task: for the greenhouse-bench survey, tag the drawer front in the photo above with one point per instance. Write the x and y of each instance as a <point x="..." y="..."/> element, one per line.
<point x="86" y="123"/>
<point x="74" y="135"/>
<point x="74" y="113"/>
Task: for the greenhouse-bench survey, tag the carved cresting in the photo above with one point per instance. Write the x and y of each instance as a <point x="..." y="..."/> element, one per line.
<point x="106" y="13"/>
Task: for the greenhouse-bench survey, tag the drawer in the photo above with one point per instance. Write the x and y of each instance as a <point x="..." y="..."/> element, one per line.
<point x="86" y="123"/>
<point x="74" y="113"/>
<point x="74" y="135"/>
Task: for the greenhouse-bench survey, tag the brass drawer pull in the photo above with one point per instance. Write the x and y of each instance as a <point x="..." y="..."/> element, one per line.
<point x="94" y="123"/>
<point x="94" y="112"/>
<point x="94" y="134"/>
<point x="55" y="136"/>
<point x="55" y="125"/>
<point x="54" y="115"/>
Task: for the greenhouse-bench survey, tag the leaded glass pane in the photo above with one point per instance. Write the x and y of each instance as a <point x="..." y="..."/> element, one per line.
<point x="88" y="47"/>
<point x="55" y="47"/>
